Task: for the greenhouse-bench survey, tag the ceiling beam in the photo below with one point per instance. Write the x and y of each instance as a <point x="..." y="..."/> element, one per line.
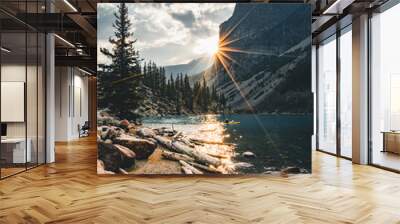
<point x="79" y="61"/>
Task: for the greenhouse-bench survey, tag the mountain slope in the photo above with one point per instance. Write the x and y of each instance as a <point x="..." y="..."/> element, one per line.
<point x="268" y="54"/>
<point x="192" y="68"/>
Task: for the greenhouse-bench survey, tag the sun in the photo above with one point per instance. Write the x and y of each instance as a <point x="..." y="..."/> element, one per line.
<point x="213" y="47"/>
<point x="209" y="46"/>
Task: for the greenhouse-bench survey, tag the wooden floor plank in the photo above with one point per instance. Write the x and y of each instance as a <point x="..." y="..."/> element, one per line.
<point x="70" y="191"/>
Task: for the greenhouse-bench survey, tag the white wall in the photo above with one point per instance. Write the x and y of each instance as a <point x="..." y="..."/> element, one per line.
<point x="14" y="73"/>
<point x="71" y="102"/>
<point x="33" y="127"/>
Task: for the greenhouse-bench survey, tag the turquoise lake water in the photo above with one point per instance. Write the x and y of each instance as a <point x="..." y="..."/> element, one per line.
<point x="278" y="141"/>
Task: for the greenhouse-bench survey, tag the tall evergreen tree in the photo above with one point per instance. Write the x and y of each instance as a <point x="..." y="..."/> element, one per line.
<point x="188" y="93"/>
<point x="121" y="79"/>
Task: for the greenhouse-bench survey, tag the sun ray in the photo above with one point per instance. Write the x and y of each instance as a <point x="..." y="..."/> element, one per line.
<point x="236" y="50"/>
<point x="220" y="57"/>
<point x="225" y="43"/>
<point x="227" y="34"/>
<point x="231" y="76"/>
<point x="223" y="54"/>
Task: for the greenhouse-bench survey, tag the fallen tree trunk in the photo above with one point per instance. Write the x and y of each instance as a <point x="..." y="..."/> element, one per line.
<point x="123" y="171"/>
<point x="163" y="141"/>
<point x="205" y="141"/>
<point x="186" y="170"/>
<point x="221" y="156"/>
<point x="196" y="154"/>
<point x="176" y="156"/>
<point x="187" y="142"/>
<point x="191" y="168"/>
<point x="177" y="135"/>
<point x="143" y="148"/>
<point x="146" y="133"/>
<point x="206" y="168"/>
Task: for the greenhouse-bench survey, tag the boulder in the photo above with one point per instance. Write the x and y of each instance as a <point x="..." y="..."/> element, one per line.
<point x="100" y="168"/>
<point x="109" y="132"/>
<point x="248" y="154"/>
<point x="142" y="148"/>
<point x="110" y="156"/>
<point x="124" y="124"/>
<point x="128" y="157"/>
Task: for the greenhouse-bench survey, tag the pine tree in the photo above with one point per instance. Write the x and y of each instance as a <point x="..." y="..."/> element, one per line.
<point x="222" y="102"/>
<point x="188" y="93"/>
<point x="196" y="95"/>
<point x="163" y="84"/>
<point x="145" y="74"/>
<point x="120" y="80"/>
<point x="205" y="95"/>
<point x="172" y="88"/>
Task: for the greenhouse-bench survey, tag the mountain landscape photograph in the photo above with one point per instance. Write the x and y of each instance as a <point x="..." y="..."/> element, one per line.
<point x="204" y="88"/>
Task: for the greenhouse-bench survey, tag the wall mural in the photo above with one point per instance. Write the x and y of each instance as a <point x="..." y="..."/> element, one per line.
<point x="204" y="88"/>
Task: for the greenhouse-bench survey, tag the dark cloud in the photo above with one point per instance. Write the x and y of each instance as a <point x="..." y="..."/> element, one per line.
<point x="201" y="31"/>
<point x="187" y="18"/>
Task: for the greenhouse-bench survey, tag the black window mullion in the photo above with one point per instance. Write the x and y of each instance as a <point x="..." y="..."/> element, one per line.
<point x="37" y="89"/>
<point x="338" y="92"/>
<point x="317" y="96"/>
<point x="26" y="86"/>
<point x="1" y="166"/>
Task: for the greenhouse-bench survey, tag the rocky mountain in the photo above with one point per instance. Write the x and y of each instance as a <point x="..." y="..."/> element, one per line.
<point x="266" y="49"/>
<point x="194" y="67"/>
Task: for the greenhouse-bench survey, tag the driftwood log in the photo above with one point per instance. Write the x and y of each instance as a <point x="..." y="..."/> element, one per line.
<point x="143" y="148"/>
<point x="163" y="141"/>
<point x="123" y="171"/>
<point x="206" y="168"/>
<point x="205" y="141"/>
<point x="190" y="167"/>
<point x="146" y="132"/>
<point x="186" y="170"/>
<point x="199" y="156"/>
<point x="176" y="156"/>
<point x="187" y="142"/>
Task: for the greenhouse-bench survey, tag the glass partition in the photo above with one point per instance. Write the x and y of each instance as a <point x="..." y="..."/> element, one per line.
<point x="385" y="89"/>
<point x="22" y="88"/>
<point x="13" y="94"/>
<point x="346" y="93"/>
<point x="31" y="98"/>
<point x="327" y="95"/>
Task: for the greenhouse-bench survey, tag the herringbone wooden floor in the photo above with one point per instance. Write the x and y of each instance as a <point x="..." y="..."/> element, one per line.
<point x="69" y="191"/>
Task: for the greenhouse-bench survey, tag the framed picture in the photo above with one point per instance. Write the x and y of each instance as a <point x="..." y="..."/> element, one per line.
<point x="204" y="88"/>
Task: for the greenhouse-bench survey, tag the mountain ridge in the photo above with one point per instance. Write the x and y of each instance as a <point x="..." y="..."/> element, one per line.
<point x="193" y="67"/>
<point x="267" y="52"/>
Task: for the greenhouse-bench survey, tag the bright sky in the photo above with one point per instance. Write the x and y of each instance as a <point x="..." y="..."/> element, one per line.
<point x="167" y="33"/>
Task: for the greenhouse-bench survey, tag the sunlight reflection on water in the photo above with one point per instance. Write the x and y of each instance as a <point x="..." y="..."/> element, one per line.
<point x="206" y="128"/>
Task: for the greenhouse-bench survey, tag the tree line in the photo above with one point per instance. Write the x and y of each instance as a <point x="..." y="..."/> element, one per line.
<point x="199" y="98"/>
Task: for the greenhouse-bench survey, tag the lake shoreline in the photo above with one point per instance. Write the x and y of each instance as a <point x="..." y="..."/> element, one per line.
<point x="158" y="159"/>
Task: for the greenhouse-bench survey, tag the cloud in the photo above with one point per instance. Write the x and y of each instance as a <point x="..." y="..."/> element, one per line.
<point x="187" y="18"/>
<point x="166" y="32"/>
